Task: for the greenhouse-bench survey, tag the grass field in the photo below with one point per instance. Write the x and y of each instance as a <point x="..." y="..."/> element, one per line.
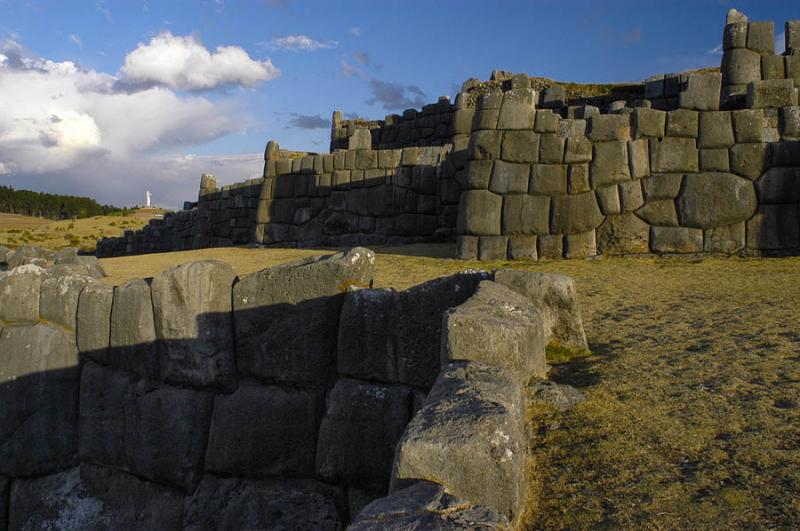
<point x="693" y="419"/>
<point x="16" y="230"/>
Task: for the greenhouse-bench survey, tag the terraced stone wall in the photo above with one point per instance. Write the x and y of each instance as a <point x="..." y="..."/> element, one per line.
<point x="289" y="398"/>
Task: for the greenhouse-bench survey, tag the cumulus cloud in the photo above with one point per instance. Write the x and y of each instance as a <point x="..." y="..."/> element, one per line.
<point x="184" y="63"/>
<point x="355" y="31"/>
<point x="70" y="131"/>
<point x="299" y="43"/>
<point x="395" y="96"/>
<point x="307" y="121"/>
<point x="74" y="39"/>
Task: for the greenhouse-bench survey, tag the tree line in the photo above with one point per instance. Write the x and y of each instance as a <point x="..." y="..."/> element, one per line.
<point x="52" y="206"/>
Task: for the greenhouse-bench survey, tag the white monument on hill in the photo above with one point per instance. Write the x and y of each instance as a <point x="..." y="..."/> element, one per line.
<point x="147" y="198"/>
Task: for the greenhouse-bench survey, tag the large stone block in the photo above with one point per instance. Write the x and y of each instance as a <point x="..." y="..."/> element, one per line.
<point x="639" y="158"/>
<point x="91" y="497"/>
<point x="792" y="67"/>
<point x="551" y="149"/>
<point x="774" y="228"/>
<point x="676" y="240"/>
<point x="520" y="146"/>
<point x="729" y="239"/>
<point x="509" y="177"/>
<point x="522" y="248"/>
<point x="426" y="505"/>
<point x="477" y="175"/>
<point x="709" y="200"/>
<point x="608" y="199"/>
<point x="773" y="67"/>
<point x="630" y="196"/>
<point x="771" y="93"/>
<point x="366" y="345"/>
<point x="779" y="185"/>
<point x="785" y="153"/>
<point x="740" y="67"/>
<point x="578" y="149"/>
<point x="546" y="121"/>
<point x="761" y="37"/>
<point x="581" y="245"/>
<point x="194" y="326"/>
<point x="484" y="145"/>
<point x="623" y="234"/>
<point x="19" y="294"/>
<point x="518" y="109"/>
<point x="714" y="160"/>
<point x="479" y="212"/>
<point x="286" y="317"/>
<point x="734" y="36"/>
<point x="716" y="130"/>
<point x="498" y="326"/>
<point x="702" y="92"/>
<point x="39" y="375"/>
<point x="132" y="337"/>
<point x="660" y="212"/>
<point x="469" y="438"/>
<point x="360" y="139"/>
<point x="550" y="246"/>
<point x="578" y="178"/>
<point x="29" y="254"/>
<point x="526" y="214"/>
<point x="673" y="155"/>
<point x="648" y="123"/>
<point x="610" y="163"/>
<point x="790" y="119"/>
<point x="556" y="299"/>
<point x="683" y="123"/>
<point x="548" y="179"/>
<point x="268" y="431"/>
<point x="232" y="503"/>
<point x="58" y="299"/>
<point x="375" y="415"/>
<point x="609" y="127"/>
<point x="491" y="248"/>
<point x="792" y="34"/>
<point x="750" y="160"/>
<point x="575" y="213"/>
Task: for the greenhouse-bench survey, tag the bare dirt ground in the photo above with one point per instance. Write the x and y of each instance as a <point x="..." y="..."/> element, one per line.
<point x="693" y="419"/>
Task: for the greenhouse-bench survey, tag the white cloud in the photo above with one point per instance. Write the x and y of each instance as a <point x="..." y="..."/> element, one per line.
<point x="69" y="131"/>
<point x="74" y="39"/>
<point x="716" y="50"/>
<point x="780" y="42"/>
<point x="184" y="63"/>
<point x="355" y="31"/>
<point x="299" y="43"/>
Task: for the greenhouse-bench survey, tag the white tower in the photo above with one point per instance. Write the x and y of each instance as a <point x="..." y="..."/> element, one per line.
<point x="147" y="197"/>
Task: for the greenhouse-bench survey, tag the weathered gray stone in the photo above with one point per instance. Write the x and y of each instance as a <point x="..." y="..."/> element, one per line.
<point x="546" y="121"/>
<point x="784" y="153"/>
<point x="761" y="37"/>
<point x="107" y="398"/>
<point x="39" y="375"/>
<point x="673" y="155"/>
<point x="231" y="503"/>
<point x="702" y="92"/>
<point x="286" y="317"/>
<point x="683" y="123"/>
<point x="24" y="253"/>
<point x="734" y="36"/>
<point x="772" y="67"/>
<point x="558" y="396"/>
<point x="517" y="110"/>
<point x="575" y="213"/>
<point x="526" y="214"/>
<point x="792" y="33"/>
<point x="520" y="146"/>
<point x="491" y="248"/>
<point x="581" y="245"/>
<point x="479" y="212"/>
<point x="498" y="326"/>
<point x="548" y="179"/>
<point x="194" y="326"/>
<point x="729" y="239"/>
<point x="750" y="160"/>
<point x="575" y="128"/>
<point x="90" y="497"/>
<point x="550" y="246"/>
<point x="792" y="67"/>
<point x="716" y="130"/>
<point x="676" y="240"/>
<point x="630" y="196"/>
<point x="714" y="160"/>
<point x="639" y="158"/>
<point x="485" y="119"/>
<point x="58" y="300"/>
<point x="790" y="118"/>
<point x="366" y="346"/>
<point x="132" y="338"/>
<point x="509" y="177"/>
<point x="484" y="145"/>
<point x="608" y="199"/>
<point x="426" y="505"/>
<point x="623" y="234"/>
<point x="522" y="248"/>
<point x="740" y="67"/>
<point x="5" y="252"/>
<point x="361" y="139"/>
<point x="660" y="212"/>
<point x="774" y="228"/>
<point x="478" y="174"/>
<point x="578" y="149"/>
<point x="771" y="93"/>
<point x="469" y="438"/>
<point x="779" y="185"/>
<point x="556" y="299"/>
<point x="359" y="411"/>
<point x="609" y="127"/>
<point x="19" y="294"/>
<point x="551" y="149"/>
<point x="267" y="431"/>
<point x="648" y="123"/>
<point x="71" y="257"/>
<point x="610" y="163"/>
<point x="709" y="200"/>
<point x="467" y="247"/>
<point x="578" y="178"/>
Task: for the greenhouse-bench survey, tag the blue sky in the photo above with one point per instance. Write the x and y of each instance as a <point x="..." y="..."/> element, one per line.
<point x="147" y="122"/>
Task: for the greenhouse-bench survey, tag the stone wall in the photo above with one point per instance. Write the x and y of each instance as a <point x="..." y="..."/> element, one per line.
<point x="294" y="396"/>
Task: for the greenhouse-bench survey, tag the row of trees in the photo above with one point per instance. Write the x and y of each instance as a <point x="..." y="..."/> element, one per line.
<point x="52" y="206"/>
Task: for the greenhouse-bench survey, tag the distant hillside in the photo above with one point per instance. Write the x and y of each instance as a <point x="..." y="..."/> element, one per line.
<point x="52" y="206"/>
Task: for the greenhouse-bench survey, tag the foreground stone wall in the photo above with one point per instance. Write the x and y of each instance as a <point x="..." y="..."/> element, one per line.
<point x="294" y="396"/>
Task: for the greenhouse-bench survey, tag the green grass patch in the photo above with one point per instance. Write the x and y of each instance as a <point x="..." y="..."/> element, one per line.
<point x="557" y="354"/>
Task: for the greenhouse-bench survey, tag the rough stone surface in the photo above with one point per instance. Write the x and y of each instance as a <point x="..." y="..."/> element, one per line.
<point x="39" y="392"/>
<point x="661" y="212"/>
<point x="749" y="160"/>
<point x="606" y="127"/>
<point x="749" y="125"/>
<point x="581" y="245"/>
<point x="673" y="155"/>
<point x="90" y="497"/>
<point x="267" y="431"/>
<point x="729" y="239"/>
<point x="630" y="196"/>
<point x="716" y="130"/>
<point x="774" y="228"/>
<point x="230" y="503"/>
<point x="426" y="505"/>
<point x="676" y="240"/>
<point x="662" y="186"/>
<point x="550" y="246"/>
<point x="771" y="93"/>
<point x="194" y="327"/>
<point x="132" y="338"/>
<point x="559" y="396"/>
<point x="702" y="92"/>
<point x="556" y="299"/>
<point x="526" y="214"/>
<point x="623" y="234"/>
<point x="683" y="123"/>
<point x="509" y="177"/>
<point x="575" y="213"/>
<point x="359" y="411"/>
<point x="779" y="185"/>
<point x="496" y="325"/>
<point x="740" y="67"/>
<point x="366" y="345"/>
<point x="479" y="213"/>
<point x="94" y="321"/>
<point x="19" y="294"/>
<point x="469" y="437"/>
<point x="708" y="200"/>
<point x="58" y="300"/>
<point x="610" y="163"/>
<point x="286" y="317"/>
<point x="520" y="146"/>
